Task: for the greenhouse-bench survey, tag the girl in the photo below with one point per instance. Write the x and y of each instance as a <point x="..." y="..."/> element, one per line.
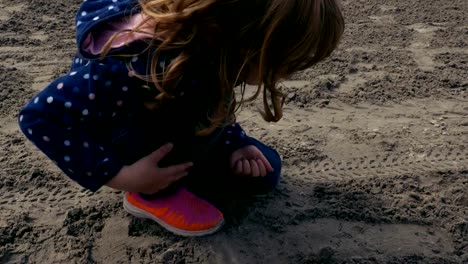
<point x="150" y="99"/>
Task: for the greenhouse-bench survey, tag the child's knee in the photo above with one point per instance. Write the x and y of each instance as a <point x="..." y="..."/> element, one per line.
<point x="275" y="161"/>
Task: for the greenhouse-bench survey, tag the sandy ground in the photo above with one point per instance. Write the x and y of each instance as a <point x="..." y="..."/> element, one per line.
<point x="374" y="143"/>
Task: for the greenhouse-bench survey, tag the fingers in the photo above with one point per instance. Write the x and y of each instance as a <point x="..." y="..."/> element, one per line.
<point x="261" y="167"/>
<point x="238" y="167"/>
<point x="267" y="164"/>
<point x="159" y="154"/>
<point x="254" y="168"/>
<point x="246" y="167"/>
<point x="164" y="177"/>
<point x="177" y="171"/>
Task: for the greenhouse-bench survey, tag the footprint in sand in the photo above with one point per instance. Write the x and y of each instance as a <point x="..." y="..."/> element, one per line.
<point x="424" y="57"/>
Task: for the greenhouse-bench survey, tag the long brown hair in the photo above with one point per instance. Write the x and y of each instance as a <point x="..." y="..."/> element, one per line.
<point x="278" y="37"/>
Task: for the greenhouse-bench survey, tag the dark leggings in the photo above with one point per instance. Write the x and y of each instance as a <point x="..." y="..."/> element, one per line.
<point x="211" y="177"/>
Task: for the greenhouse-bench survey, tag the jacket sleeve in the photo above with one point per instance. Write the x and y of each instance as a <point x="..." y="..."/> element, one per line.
<point x="233" y="138"/>
<point x="69" y="122"/>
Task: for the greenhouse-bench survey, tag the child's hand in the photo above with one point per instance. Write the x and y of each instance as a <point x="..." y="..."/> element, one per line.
<point x="145" y="176"/>
<point x="249" y="161"/>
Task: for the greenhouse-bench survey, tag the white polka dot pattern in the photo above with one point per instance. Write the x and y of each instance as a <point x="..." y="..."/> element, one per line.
<point x="64" y="118"/>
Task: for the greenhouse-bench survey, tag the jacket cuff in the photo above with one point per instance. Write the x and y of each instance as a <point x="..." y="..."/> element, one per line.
<point x="234" y="138"/>
<point x="101" y="175"/>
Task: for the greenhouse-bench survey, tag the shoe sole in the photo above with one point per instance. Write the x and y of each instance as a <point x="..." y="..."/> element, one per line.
<point x="137" y="212"/>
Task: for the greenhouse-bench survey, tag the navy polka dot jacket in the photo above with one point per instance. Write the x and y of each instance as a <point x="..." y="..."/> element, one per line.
<point x="92" y="121"/>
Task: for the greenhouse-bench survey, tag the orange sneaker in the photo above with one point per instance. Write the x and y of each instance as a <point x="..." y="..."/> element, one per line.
<point x="181" y="213"/>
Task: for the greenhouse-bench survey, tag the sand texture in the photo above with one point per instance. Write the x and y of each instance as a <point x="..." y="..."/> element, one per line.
<point x="374" y="143"/>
